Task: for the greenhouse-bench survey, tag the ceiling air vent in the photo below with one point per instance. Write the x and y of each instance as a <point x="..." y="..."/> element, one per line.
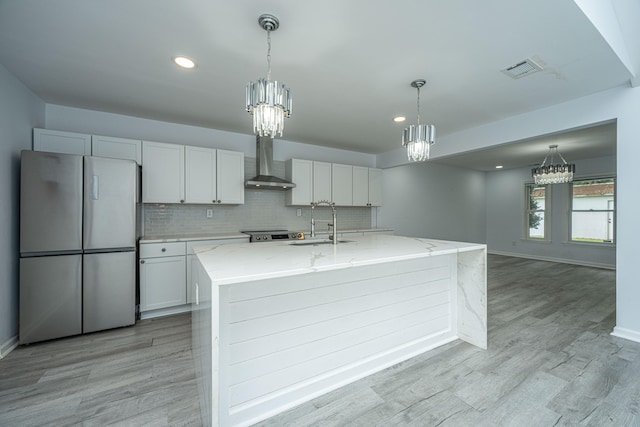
<point x="521" y="69"/>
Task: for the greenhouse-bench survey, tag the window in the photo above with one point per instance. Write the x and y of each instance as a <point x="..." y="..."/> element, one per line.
<point x="593" y="210"/>
<point x="537" y="203"/>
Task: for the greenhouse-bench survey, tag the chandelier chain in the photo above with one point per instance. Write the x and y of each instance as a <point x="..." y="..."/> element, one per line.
<point x="268" y="54"/>
<point x="418" y="102"/>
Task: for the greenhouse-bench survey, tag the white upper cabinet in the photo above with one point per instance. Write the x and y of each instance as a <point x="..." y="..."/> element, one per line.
<point x="212" y="176"/>
<point x="342" y="184"/>
<point x="56" y="141"/>
<point x="87" y="145"/>
<point x="230" y="177"/>
<point x="322" y="181"/>
<point x="116" y="148"/>
<point x="200" y="175"/>
<point x="162" y="173"/>
<point x="367" y="186"/>
<point x="300" y="172"/>
<point x="360" y="186"/>
<point x="375" y="187"/>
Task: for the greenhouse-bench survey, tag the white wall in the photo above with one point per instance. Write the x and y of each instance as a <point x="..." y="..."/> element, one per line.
<point x="20" y="110"/>
<point x="505" y="217"/>
<point x="99" y="123"/>
<point x="434" y="201"/>
<point x="621" y="104"/>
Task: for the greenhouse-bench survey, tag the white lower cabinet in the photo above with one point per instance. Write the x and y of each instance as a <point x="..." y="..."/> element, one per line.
<point x="162" y="282"/>
<point x="165" y="275"/>
<point x="163" y="268"/>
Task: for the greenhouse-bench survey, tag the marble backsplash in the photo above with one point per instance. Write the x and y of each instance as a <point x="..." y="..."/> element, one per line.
<point x="263" y="209"/>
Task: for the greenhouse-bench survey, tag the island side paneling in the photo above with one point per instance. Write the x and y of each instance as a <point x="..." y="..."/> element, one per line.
<point x="286" y="340"/>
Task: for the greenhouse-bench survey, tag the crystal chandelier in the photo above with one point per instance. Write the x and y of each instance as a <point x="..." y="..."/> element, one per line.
<point x="553" y="174"/>
<point x="269" y="102"/>
<point x="418" y="138"/>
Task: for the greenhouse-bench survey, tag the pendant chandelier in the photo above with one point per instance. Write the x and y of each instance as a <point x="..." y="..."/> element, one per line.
<point x="418" y="138"/>
<point x="269" y="102"/>
<point x="553" y="174"/>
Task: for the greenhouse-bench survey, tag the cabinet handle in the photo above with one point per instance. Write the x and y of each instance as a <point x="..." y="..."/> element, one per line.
<point x="164" y="249"/>
<point x="141" y="261"/>
<point x="219" y="201"/>
<point x="181" y="201"/>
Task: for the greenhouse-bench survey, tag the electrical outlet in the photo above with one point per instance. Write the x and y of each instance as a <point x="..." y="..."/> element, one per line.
<point x="209" y="213"/>
<point x="298" y="212"/>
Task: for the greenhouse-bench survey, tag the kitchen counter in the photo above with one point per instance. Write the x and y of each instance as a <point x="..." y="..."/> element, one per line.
<point x="238" y="263"/>
<point x="277" y="324"/>
<point x="191" y="237"/>
<point x="237" y="235"/>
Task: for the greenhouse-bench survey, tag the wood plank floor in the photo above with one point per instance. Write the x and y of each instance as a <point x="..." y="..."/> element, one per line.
<point x="550" y="362"/>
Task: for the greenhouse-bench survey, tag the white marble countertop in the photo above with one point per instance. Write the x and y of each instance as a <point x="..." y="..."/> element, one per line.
<point x="236" y="263"/>
<point x="233" y="235"/>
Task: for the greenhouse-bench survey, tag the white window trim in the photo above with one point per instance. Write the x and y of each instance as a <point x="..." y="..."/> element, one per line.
<point x="547" y="214"/>
<point x="570" y="211"/>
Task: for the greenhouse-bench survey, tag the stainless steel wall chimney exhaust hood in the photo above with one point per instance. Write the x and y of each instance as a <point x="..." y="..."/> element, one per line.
<point x="264" y="179"/>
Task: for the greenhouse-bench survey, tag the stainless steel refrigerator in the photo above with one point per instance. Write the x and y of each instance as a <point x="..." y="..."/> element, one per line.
<point x="77" y="244"/>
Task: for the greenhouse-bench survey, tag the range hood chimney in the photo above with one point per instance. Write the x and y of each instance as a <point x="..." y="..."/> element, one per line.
<point x="264" y="179"/>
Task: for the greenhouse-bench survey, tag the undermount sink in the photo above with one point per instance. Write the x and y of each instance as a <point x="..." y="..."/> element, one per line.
<point x="317" y="242"/>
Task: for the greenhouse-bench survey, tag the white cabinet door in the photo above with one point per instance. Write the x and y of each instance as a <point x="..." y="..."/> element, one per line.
<point x="116" y="148"/>
<point x="360" y="186"/>
<point x="200" y="175"/>
<point x="230" y="177"/>
<point x="375" y="187"/>
<point x="55" y="141"/>
<point x="342" y="184"/>
<point x="300" y="172"/>
<point x="321" y="181"/>
<point x="162" y="173"/>
<point x="162" y="282"/>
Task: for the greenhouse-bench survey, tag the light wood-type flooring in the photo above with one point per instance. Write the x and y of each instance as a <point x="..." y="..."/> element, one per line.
<point x="551" y="362"/>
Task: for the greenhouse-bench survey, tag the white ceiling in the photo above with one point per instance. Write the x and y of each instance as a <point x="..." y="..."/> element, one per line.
<point x="348" y="63"/>
<point x="576" y="144"/>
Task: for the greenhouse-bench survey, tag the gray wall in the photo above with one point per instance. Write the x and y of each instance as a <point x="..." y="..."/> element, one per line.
<point x="505" y="217"/>
<point x="20" y="111"/>
<point x="434" y="201"/>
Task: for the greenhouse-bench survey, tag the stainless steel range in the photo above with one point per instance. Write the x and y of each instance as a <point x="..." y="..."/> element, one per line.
<point x="273" y="235"/>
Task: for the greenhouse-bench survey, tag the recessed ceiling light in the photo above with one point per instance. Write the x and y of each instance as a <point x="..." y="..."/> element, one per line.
<point x="184" y="62"/>
<point x="499" y="167"/>
<point x="399" y="119"/>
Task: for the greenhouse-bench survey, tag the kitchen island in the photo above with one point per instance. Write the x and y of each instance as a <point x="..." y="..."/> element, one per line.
<point x="277" y="324"/>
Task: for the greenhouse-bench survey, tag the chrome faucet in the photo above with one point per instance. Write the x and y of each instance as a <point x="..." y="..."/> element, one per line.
<point x="333" y="226"/>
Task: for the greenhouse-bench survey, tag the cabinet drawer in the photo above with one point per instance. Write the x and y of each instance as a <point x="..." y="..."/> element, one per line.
<point x="155" y="250"/>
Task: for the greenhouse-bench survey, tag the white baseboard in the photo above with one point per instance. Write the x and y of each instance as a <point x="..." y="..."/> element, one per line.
<point x="7" y="346"/>
<point x="165" y="311"/>
<point x="552" y="259"/>
<point x="627" y="334"/>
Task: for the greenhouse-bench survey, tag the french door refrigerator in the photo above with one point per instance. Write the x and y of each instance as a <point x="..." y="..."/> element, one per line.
<point x="77" y="244"/>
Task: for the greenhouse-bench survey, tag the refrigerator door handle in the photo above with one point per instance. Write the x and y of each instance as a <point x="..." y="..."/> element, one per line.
<point x="95" y="184"/>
